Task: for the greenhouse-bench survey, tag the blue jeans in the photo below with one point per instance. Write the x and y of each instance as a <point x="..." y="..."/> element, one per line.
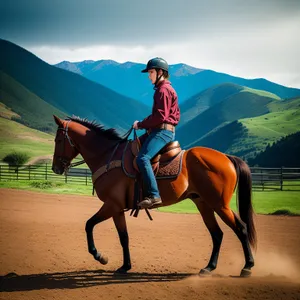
<point x="156" y="140"/>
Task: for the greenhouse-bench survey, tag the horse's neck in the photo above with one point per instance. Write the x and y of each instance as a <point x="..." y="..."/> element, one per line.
<point x="93" y="148"/>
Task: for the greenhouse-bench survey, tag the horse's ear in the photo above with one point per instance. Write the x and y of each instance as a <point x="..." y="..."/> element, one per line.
<point x="57" y="120"/>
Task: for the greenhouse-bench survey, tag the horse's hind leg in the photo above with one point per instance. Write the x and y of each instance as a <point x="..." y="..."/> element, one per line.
<point x="216" y="233"/>
<point x="240" y="229"/>
<point x="120" y="223"/>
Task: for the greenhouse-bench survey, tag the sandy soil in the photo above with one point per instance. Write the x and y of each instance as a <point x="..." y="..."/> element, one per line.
<point x="43" y="254"/>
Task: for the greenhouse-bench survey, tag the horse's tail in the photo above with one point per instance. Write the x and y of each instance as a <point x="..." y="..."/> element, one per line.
<point x="244" y="196"/>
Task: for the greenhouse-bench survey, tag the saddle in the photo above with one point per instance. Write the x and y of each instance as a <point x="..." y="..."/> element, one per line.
<point x="166" y="164"/>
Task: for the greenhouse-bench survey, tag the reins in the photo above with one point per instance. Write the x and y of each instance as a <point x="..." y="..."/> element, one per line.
<point x="115" y="145"/>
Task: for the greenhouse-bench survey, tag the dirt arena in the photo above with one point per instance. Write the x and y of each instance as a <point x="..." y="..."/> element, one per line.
<point x="43" y="254"/>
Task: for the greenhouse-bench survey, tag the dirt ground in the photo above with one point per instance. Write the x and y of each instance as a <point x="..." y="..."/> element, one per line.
<point x="43" y="254"/>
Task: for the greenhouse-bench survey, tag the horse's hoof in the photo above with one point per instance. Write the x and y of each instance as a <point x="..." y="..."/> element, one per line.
<point x="103" y="259"/>
<point x="246" y="273"/>
<point x="204" y="272"/>
<point x="122" y="270"/>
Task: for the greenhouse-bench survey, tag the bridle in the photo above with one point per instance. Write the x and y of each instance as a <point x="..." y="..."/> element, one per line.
<point x="66" y="162"/>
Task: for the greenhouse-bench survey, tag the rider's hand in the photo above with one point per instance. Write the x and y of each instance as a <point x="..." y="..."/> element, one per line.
<point x="135" y="125"/>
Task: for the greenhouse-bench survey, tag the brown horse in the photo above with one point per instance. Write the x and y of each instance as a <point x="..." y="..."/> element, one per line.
<point x="208" y="177"/>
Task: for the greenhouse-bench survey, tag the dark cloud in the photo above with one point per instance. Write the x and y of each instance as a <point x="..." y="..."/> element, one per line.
<point x="120" y="22"/>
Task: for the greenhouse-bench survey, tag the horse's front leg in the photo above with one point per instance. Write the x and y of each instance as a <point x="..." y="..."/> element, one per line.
<point x="106" y="212"/>
<point x="120" y="223"/>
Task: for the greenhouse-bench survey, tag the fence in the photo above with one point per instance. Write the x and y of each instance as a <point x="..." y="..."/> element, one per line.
<point x="276" y="178"/>
<point x="44" y="172"/>
<point x="263" y="178"/>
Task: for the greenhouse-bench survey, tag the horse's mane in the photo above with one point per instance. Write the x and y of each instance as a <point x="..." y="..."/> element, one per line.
<point x="110" y="133"/>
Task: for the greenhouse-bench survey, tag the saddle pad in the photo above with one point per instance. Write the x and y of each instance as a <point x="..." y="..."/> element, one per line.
<point x="167" y="170"/>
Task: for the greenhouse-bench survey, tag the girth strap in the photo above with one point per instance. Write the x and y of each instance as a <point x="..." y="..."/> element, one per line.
<point x="113" y="164"/>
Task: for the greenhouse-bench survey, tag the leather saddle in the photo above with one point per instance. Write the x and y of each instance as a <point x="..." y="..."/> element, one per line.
<point x="166" y="164"/>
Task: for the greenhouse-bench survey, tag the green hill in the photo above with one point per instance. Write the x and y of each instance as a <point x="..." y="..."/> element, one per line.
<point x="29" y="109"/>
<point x="247" y="137"/>
<point x="69" y="92"/>
<point x="238" y="103"/>
<point x="206" y="99"/>
<point x="214" y="95"/>
<point x="17" y="137"/>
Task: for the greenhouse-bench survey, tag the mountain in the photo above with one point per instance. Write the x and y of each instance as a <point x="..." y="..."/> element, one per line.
<point x="28" y="108"/>
<point x="203" y="80"/>
<point x="204" y="100"/>
<point x="238" y="102"/>
<point x="249" y="136"/>
<point x="212" y="96"/>
<point x="67" y="91"/>
<point x="126" y="79"/>
<point x="284" y="152"/>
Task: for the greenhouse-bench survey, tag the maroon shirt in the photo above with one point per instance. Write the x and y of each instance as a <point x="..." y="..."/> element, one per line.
<point x="165" y="107"/>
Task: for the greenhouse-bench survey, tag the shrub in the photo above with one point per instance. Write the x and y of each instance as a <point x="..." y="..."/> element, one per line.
<point x="16" y="158"/>
<point x="45" y="184"/>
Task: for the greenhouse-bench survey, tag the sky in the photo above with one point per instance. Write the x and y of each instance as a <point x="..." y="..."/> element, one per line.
<point x="250" y="39"/>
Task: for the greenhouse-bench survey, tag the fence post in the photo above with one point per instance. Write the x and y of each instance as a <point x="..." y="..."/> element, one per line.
<point x="46" y="177"/>
<point x="17" y="171"/>
<point x="86" y="174"/>
<point x="66" y="177"/>
<point x="281" y="179"/>
<point x="29" y="172"/>
<point x="262" y="179"/>
<point x="0" y="172"/>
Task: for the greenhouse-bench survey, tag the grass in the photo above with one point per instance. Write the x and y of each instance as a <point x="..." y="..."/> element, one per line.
<point x="15" y="136"/>
<point x="260" y="93"/>
<point x="266" y="129"/>
<point x="264" y="202"/>
<point x="32" y="109"/>
<point x="273" y="125"/>
<point x="6" y="112"/>
<point x="49" y="187"/>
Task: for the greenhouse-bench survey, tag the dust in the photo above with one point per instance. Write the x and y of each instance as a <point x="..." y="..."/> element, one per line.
<point x="272" y="264"/>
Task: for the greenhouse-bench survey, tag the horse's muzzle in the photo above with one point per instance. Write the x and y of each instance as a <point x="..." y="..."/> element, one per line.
<point x="57" y="170"/>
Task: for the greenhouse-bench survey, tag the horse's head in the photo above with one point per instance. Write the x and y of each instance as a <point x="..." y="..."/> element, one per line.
<point x="65" y="150"/>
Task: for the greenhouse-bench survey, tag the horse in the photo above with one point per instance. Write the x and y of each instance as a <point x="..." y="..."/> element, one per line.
<point x="207" y="177"/>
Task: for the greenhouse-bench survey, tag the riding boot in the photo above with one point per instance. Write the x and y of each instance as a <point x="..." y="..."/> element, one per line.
<point x="150" y="202"/>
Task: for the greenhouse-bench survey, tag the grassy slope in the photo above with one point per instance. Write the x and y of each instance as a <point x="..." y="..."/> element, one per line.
<point x="271" y="127"/>
<point x="33" y="111"/>
<point x="261" y="93"/>
<point x="17" y="137"/>
<point x="250" y="135"/>
<point x="268" y="128"/>
<point x="237" y="106"/>
<point x="69" y="92"/>
<point x="200" y="102"/>
<point x="206" y="99"/>
<point x="7" y="113"/>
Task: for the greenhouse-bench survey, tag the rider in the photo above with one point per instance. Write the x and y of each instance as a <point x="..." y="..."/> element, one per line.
<point x="160" y="125"/>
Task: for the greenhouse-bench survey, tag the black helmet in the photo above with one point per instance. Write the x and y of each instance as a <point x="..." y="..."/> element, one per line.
<point x="156" y="63"/>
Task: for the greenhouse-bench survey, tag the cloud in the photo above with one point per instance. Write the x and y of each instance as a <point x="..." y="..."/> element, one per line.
<point x="118" y="22"/>
<point x="243" y="38"/>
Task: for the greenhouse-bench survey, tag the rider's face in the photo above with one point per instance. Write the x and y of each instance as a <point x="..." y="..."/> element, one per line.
<point x="152" y="75"/>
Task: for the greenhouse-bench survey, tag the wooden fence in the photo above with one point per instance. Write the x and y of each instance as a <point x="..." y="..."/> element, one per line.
<point x="44" y="172"/>
<point x="263" y="178"/>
